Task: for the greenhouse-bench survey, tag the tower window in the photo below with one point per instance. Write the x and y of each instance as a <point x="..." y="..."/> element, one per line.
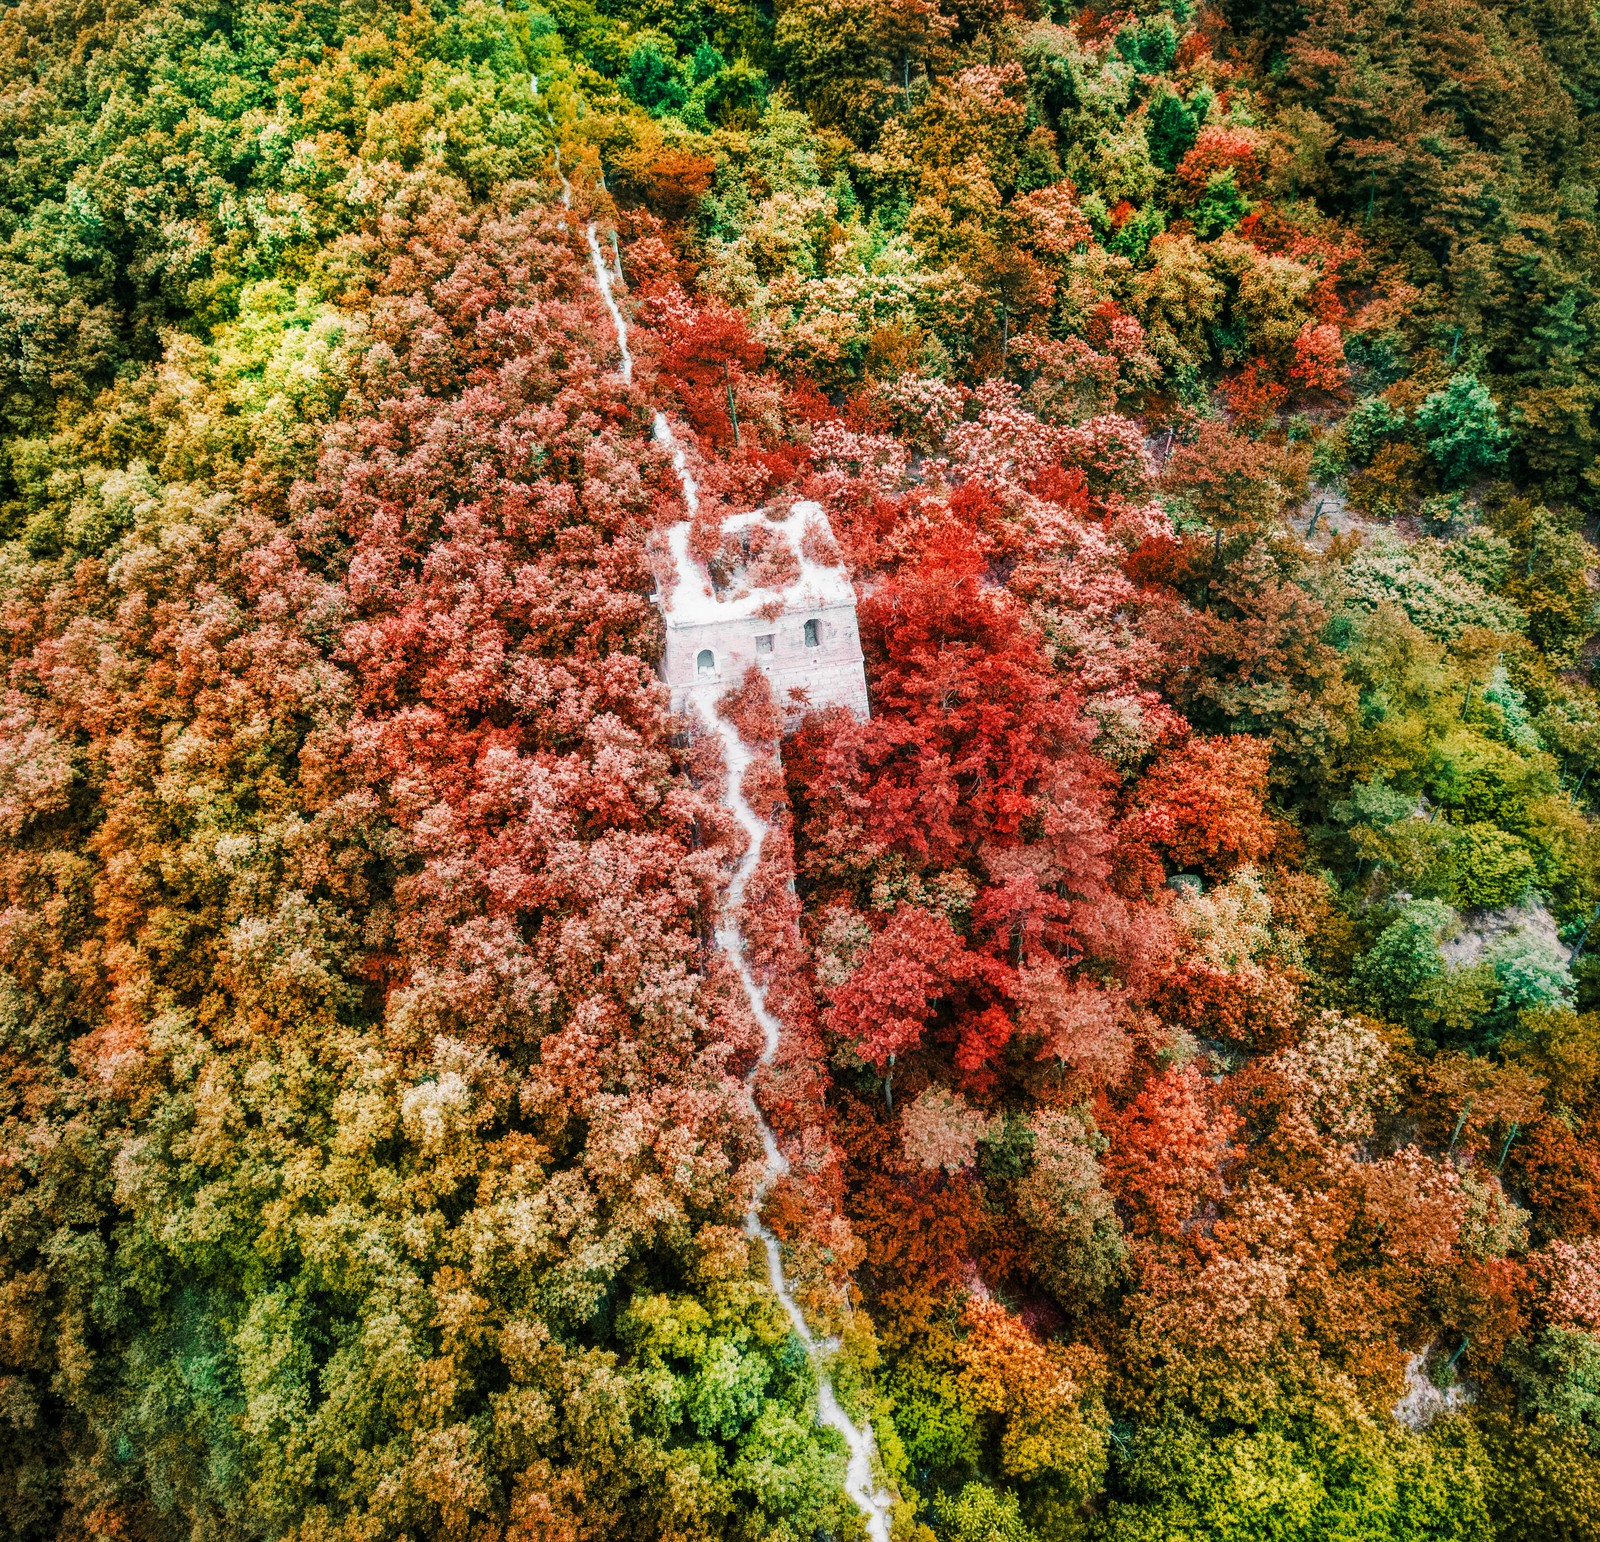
<point x="706" y="663"/>
<point x="813" y="634"/>
<point x="764" y="644"/>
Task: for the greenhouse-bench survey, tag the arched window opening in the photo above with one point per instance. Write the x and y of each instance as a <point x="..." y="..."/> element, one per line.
<point x="706" y="663"/>
<point x="813" y="634"/>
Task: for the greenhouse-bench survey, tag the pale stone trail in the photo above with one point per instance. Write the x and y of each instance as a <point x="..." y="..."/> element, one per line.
<point x="873" y="1501"/>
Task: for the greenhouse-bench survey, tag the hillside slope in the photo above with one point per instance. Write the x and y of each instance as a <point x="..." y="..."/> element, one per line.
<point x="1178" y="1139"/>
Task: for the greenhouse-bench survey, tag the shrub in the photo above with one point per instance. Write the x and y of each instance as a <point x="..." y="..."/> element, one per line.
<point x="1370" y="425"/>
<point x="1531" y="975"/>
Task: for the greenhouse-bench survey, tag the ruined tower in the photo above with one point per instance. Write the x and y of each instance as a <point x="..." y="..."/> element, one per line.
<point x="785" y="604"/>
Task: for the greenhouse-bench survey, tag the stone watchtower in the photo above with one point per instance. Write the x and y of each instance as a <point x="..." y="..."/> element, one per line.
<point x="788" y="608"/>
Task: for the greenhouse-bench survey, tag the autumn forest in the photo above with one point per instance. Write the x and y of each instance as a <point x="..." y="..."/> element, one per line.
<point x="1138" y="1083"/>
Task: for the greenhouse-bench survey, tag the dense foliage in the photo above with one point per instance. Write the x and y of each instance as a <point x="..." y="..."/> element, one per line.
<point x="1191" y="1072"/>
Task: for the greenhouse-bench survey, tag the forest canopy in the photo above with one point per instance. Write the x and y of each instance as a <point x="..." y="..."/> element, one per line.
<point x="1188" y="1093"/>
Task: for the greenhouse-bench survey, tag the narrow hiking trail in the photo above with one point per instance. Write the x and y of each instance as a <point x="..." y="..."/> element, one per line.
<point x="873" y="1501"/>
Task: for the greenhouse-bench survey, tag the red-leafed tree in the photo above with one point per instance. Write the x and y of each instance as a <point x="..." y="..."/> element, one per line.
<point x="1205" y="803"/>
<point x="1168" y="1149"/>
<point x="889" y="999"/>
<point x="968" y="722"/>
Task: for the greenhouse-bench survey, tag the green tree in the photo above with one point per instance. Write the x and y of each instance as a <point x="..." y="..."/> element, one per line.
<point x="1221" y="206"/>
<point x="1559" y="1376"/>
<point x="979" y="1514"/>
<point x="1397" y="977"/>
<point x="1149" y="45"/>
<point x="1462" y="427"/>
<point x="654" y="79"/>
<point x="1171" y="128"/>
<point x="1486" y="868"/>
